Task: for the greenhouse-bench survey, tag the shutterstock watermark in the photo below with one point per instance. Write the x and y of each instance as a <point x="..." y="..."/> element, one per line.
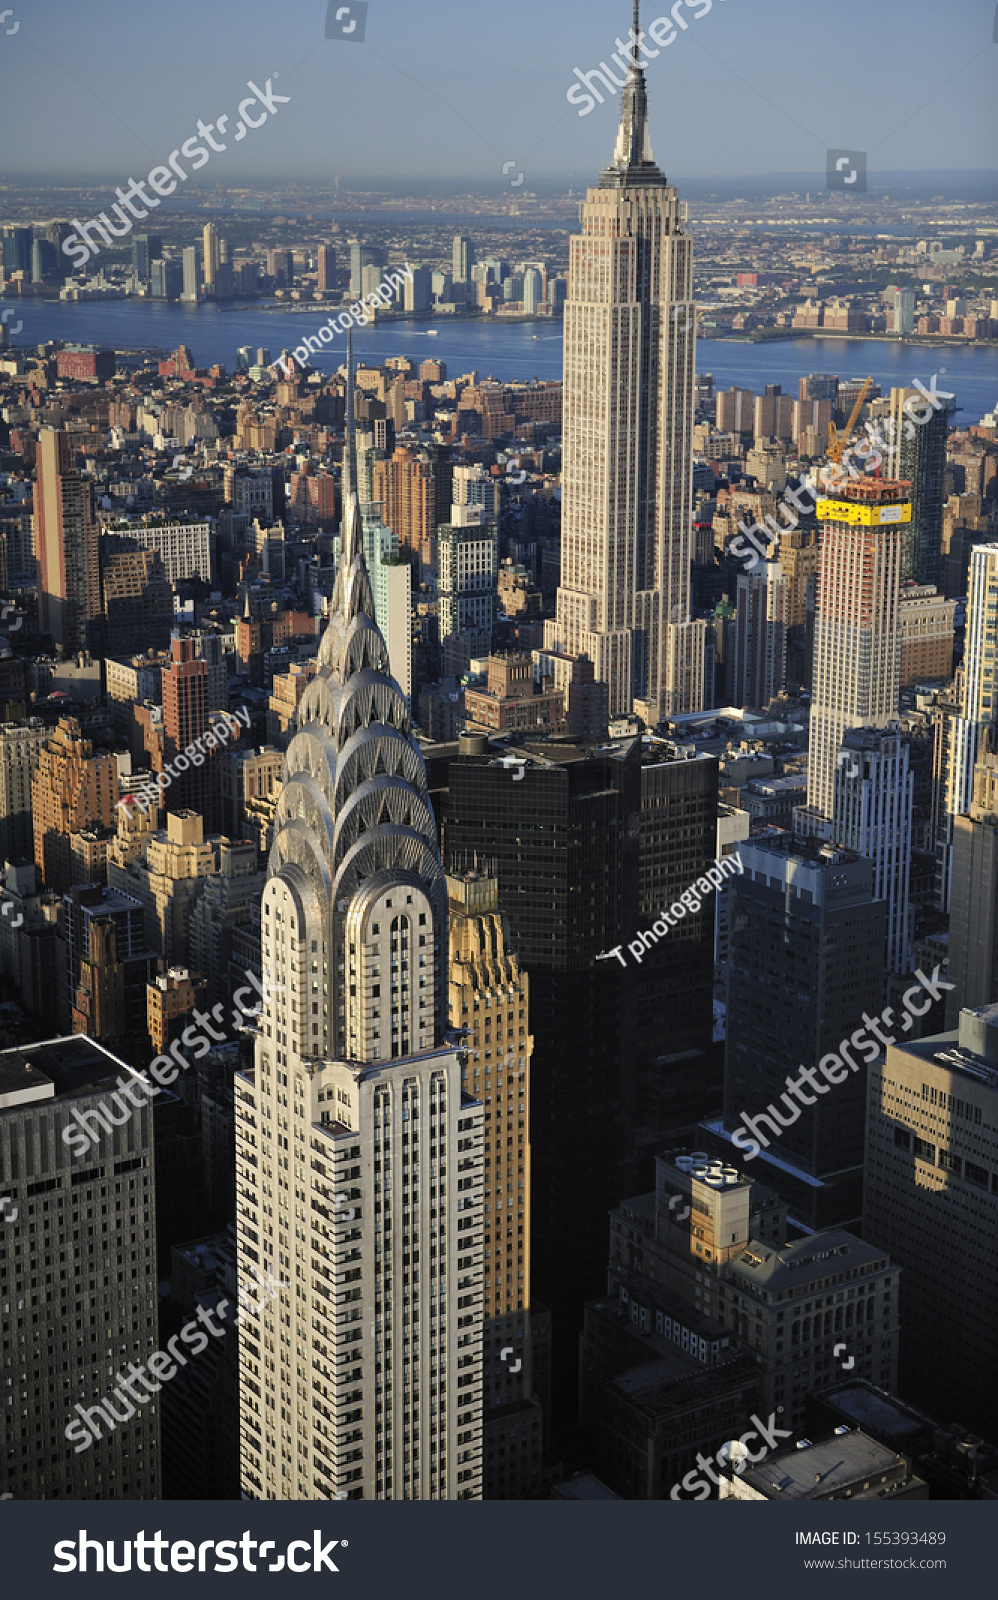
<point x="870" y="1039"/>
<point x="759" y="543"/>
<point x="80" y="246"/>
<point x="356" y="315"/>
<point x="162" y="1365"/>
<point x="768" y="1432"/>
<point x="663" y="32"/>
<point x="689" y="902"/>
<point x="138" y="1089"/>
<point x="217" y="737"/>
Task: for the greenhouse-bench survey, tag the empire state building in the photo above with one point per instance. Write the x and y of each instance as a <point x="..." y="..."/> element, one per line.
<point x="628" y="399"/>
<point x="358" y="1156"/>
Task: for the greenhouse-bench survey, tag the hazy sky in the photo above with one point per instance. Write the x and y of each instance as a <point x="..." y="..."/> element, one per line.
<point x="451" y="89"/>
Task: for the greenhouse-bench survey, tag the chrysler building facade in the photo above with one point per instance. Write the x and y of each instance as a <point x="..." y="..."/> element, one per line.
<point x="628" y="398"/>
<point x="359" y="1164"/>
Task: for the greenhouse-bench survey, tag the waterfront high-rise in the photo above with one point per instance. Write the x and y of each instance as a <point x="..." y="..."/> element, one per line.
<point x="359" y="1156"/>
<point x="211" y="255"/>
<point x="327" y="268"/>
<point x="66" y="541"/>
<point x="193" y="281"/>
<point x="856" y="641"/>
<point x="463" y="258"/>
<point x="630" y="332"/>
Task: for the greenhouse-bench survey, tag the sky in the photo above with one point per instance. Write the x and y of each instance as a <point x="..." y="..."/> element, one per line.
<point x="453" y="90"/>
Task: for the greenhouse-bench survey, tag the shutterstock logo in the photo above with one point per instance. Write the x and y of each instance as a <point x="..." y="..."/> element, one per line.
<point x="180" y="1555"/>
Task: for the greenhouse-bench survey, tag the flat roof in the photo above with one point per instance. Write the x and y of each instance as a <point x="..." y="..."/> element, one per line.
<point x="74" y="1064"/>
<point x="813" y="1471"/>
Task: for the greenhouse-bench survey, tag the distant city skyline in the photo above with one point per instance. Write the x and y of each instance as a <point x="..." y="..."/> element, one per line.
<point x="739" y="92"/>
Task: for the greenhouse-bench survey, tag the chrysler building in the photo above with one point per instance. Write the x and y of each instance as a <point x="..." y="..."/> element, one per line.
<point x="359" y="1158"/>
<point x="628" y="398"/>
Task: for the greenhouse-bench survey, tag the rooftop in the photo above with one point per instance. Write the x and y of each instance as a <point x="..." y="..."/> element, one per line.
<point x="824" y="1470"/>
<point x="70" y="1066"/>
<point x="806" y="1261"/>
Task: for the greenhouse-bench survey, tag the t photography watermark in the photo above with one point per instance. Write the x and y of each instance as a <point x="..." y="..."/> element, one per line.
<point x="6" y="315"/>
<point x="81" y="246"/>
<point x="347" y="22"/>
<point x="3" y="18"/>
<point x="164" y="1069"/>
<point x="690" y="901"/>
<point x="358" y="314"/>
<point x="832" y="1067"/>
<point x="180" y="1555"/>
<point x="735" y="1452"/>
<point x="218" y="736"/>
<point x="663" y="32"/>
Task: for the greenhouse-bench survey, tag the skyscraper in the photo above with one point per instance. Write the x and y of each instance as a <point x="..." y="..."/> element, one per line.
<point x="760" y="635"/>
<point x="67" y="546"/>
<point x="146" y="248"/>
<point x="979" y="704"/>
<point x="71" y="789"/>
<point x="872" y="814"/>
<point x="630" y="330"/>
<point x="192" y="273"/>
<point x="489" y="992"/>
<point x="391" y="590"/>
<point x="211" y="255"/>
<point x="931" y="1199"/>
<point x="406" y="489"/>
<point x="902" y="306"/>
<point x="856" y="641"/>
<point x="359" y="1156"/>
<point x="468" y="557"/>
<point x="361" y="256"/>
<point x="327" y="268"/>
<point x="973" y="927"/>
<point x="74" y="1323"/>
<point x="805" y="959"/>
<point x="462" y="258"/>
<point x="185" y="718"/>
<point x="917" y="454"/>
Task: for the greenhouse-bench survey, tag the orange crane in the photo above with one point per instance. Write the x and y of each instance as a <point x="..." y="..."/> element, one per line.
<point x="835" y="448"/>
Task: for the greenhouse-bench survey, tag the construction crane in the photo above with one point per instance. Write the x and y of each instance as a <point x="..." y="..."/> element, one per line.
<point x="835" y="448"/>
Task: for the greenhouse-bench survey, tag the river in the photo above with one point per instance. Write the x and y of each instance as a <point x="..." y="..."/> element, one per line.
<point x="504" y="350"/>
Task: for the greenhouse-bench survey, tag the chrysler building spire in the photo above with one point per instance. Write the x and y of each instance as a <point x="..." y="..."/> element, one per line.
<point x="354" y="1112"/>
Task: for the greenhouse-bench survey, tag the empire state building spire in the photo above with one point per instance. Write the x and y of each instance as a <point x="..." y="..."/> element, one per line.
<point x="630" y="333"/>
<point x="633" y="161"/>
